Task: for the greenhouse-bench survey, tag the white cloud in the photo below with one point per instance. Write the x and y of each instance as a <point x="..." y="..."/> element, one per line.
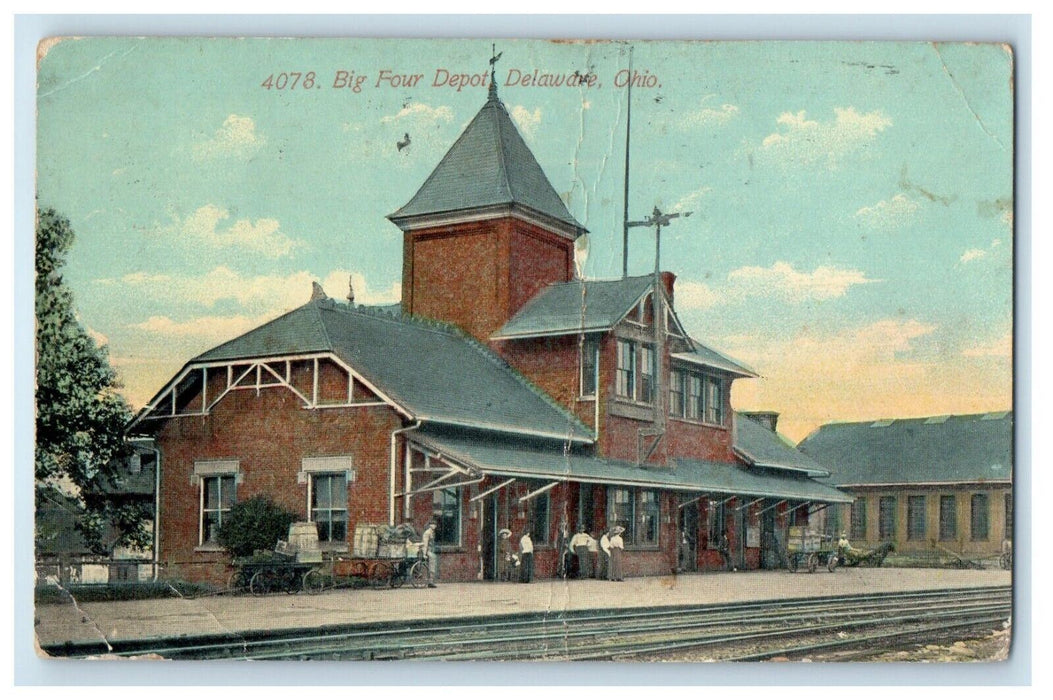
<point x="1001" y="347"/>
<point x="258" y="294"/>
<point x="709" y="116"/>
<point x="691" y="200"/>
<point x="98" y="337"/>
<point x="782" y="280"/>
<point x="526" y="120"/>
<point x="261" y="236"/>
<point x="237" y="137"/>
<point x="214" y="328"/>
<point x="888" y="213"/>
<point x="694" y="295"/>
<point x="972" y="254"/>
<point x="804" y="141"/>
<point x="420" y="112"/>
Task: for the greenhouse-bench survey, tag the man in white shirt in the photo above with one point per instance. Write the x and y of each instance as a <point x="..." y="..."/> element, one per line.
<point x="526" y="558"/>
<point x="605" y="555"/>
<point x="427" y="545"/>
<point x="579" y="547"/>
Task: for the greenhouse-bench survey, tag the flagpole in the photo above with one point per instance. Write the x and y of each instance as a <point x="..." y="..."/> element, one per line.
<point x="625" y="211"/>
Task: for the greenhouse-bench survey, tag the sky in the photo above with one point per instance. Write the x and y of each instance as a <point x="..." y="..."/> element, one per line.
<point x="851" y="228"/>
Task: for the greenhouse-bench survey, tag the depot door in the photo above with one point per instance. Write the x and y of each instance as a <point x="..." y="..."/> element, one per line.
<point x="688" y="554"/>
<point x="489" y="537"/>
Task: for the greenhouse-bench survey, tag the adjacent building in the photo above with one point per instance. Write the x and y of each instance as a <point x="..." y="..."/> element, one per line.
<point x="933" y="486"/>
<point x="503" y="391"/>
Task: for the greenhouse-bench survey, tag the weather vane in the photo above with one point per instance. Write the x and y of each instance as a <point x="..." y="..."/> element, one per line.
<point x="494" y="58"/>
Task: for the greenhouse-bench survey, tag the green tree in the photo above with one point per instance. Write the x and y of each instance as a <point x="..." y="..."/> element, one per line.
<point x="256" y="523"/>
<point x="80" y="419"/>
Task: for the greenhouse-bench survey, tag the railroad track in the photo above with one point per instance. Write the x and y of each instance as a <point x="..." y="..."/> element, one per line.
<point x="757" y="630"/>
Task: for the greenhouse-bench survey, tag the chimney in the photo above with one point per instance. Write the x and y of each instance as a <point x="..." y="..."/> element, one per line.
<point x="769" y="419"/>
<point x="668" y="279"/>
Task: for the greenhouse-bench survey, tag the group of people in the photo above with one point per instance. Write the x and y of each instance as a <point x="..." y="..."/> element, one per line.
<point x="607" y="550"/>
<point x="515" y="565"/>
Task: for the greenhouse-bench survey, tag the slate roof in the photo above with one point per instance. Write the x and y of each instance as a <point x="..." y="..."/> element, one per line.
<point x="557" y="309"/>
<point x="488" y="165"/>
<point x="538" y="460"/>
<point x="433" y="371"/>
<point x="762" y="447"/>
<point x="940" y="449"/>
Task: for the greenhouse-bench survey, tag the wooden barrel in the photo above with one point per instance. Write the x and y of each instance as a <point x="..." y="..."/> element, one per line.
<point x="303" y="537"/>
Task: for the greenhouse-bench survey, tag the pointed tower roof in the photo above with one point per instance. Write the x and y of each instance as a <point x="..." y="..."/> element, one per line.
<point x="488" y="166"/>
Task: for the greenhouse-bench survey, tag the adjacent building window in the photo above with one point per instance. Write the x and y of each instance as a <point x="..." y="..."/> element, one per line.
<point x="676" y="393"/>
<point x="859" y="519"/>
<point x="638" y="511"/>
<point x="979" y="519"/>
<point x="217" y="498"/>
<point x="647" y="374"/>
<point x="915" y="517"/>
<point x="1009" y="515"/>
<point x="329" y="505"/>
<point x="948" y="518"/>
<point x="590" y="362"/>
<point x="446" y="511"/>
<point x="625" y="385"/>
<point x="887" y="518"/>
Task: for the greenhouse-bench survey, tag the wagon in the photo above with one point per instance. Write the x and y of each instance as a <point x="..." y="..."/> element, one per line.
<point x="385" y="557"/>
<point x="808" y="549"/>
<point x="294" y="565"/>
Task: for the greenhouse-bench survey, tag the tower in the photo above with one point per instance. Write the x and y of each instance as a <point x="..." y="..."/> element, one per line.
<point x="486" y="231"/>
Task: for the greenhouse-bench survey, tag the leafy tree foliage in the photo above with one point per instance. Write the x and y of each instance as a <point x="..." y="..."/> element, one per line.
<point x="80" y="415"/>
<point x="256" y="523"/>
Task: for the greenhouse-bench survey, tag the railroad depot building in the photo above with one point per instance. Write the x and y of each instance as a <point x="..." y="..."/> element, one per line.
<point x="935" y="487"/>
<point x="502" y="392"/>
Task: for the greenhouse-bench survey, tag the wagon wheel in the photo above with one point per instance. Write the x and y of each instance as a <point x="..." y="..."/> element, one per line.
<point x="237" y="580"/>
<point x="791" y="562"/>
<point x="813" y="562"/>
<point x="313" y="582"/>
<point x="290" y="580"/>
<point x="380" y="575"/>
<point x="358" y="569"/>
<point x="831" y="563"/>
<point x="398" y="574"/>
<point x="418" y="574"/>
<point x="262" y="582"/>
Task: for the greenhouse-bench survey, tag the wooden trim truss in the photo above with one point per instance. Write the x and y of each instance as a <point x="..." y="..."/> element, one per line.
<point x="177" y="399"/>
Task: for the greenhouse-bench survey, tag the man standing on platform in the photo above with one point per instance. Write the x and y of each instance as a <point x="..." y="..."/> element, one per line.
<point x="579" y="546"/>
<point x="605" y="555"/>
<point x="526" y="558"/>
<point x="427" y="545"/>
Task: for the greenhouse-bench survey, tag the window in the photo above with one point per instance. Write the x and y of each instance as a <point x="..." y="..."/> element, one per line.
<point x="585" y="507"/>
<point x="647" y="514"/>
<point x="676" y="393"/>
<point x="948" y="518"/>
<point x="638" y="511"/>
<point x="217" y="498"/>
<point x="626" y="378"/>
<point x="915" y="517"/>
<point x="696" y="404"/>
<point x="979" y="520"/>
<point x="540" y="512"/>
<point x="859" y="519"/>
<point x="446" y="511"/>
<point x="714" y="401"/>
<point x="647" y="374"/>
<point x="1009" y="515"/>
<point x="833" y="521"/>
<point x="887" y="518"/>
<point x="590" y="362"/>
<point x="329" y="506"/>
<point x="716" y="517"/>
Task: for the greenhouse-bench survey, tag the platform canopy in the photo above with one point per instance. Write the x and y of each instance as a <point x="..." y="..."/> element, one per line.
<point x="545" y="460"/>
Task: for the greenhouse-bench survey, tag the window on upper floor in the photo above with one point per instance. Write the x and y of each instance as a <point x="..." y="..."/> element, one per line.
<point x="647" y="374"/>
<point x="676" y="393"/>
<point x="696" y="396"/>
<point x="714" y="400"/>
<point x="625" y="383"/>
